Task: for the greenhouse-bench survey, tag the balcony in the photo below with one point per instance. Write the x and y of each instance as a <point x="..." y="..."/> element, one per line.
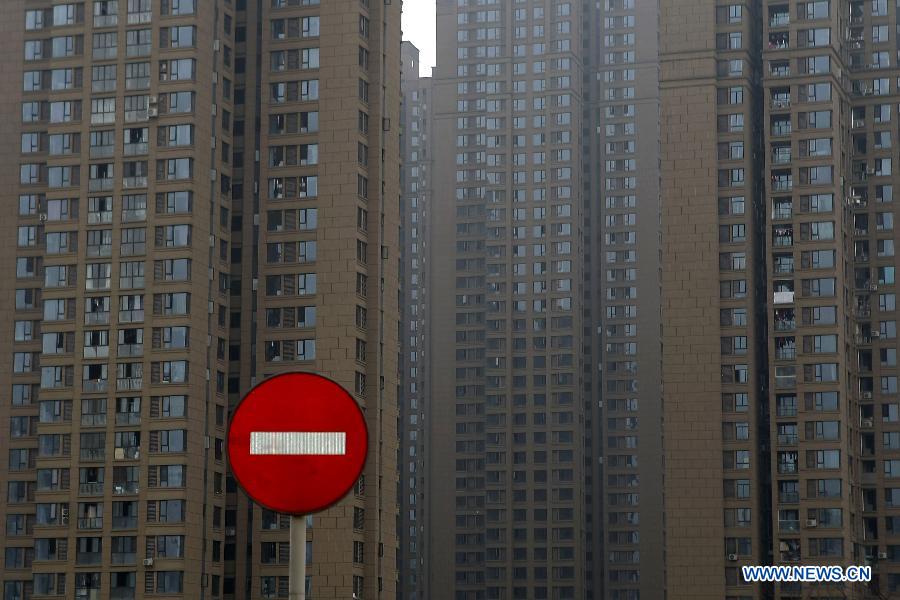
<point x="130" y="183"/>
<point x="781" y="103"/>
<point x="93" y="420"/>
<point x="137" y="18"/>
<point x="123" y="558"/>
<point x="88" y="558"/>
<point x="127" y="453"/>
<point x="789" y="497"/>
<point x="780" y="70"/>
<point x="90" y="523"/>
<point x="96" y="351"/>
<point x="99" y="217"/>
<point x="100" y="185"/>
<point x="131" y="316"/>
<point x="131" y="350"/>
<point x="125" y="488"/>
<point x="781" y="156"/>
<point x="96" y="284"/>
<point x="96" y="318"/>
<point x="790" y="467"/>
<point x="94" y="386"/>
<point x="134" y="50"/>
<point x="102" y="151"/>
<point x="787" y="411"/>
<point x="782" y="184"/>
<point x="121" y="593"/>
<point x="787" y="439"/>
<point x="103" y="53"/>
<point x="128" y="418"/>
<point x="789" y="525"/>
<point x="126" y="522"/>
<point x="94" y="488"/>
<point x="137" y="116"/>
<point x="93" y="454"/>
<point x="126" y="384"/>
<point x="781" y="128"/>
<point x="134" y="216"/>
<point x="136" y="149"/>
<point x="780" y="213"/>
<point x="783" y="298"/>
<point x="99" y="250"/>
<point x="106" y="20"/>
<point x="785" y="353"/>
<point x="83" y="593"/>
<point x="779" y="19"/>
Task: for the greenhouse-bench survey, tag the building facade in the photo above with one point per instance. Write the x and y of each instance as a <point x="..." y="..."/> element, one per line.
<point x="186" y="189"/>
<point x="416" y="152"/>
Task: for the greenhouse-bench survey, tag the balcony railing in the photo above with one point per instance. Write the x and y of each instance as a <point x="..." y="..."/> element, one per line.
<point x="131" y="316"/>
<point x="100" y="185"/>
<point x="131" y="216"/>
<point x="106" y="20"/>
<point x="782" y="213"/>
<point x="89" y="558"/>
<point x="129" y="383"/>
<point x="130" y="183"/>
<point x="128" y="453"/>
<point x="90" y="523"/>
<point x="125" y="488"/>
<point x="138" y="148"/>
<point x="91" y="489"/>
<point x="128" y="418"/>
<point x="789" y="497"/>
<point x="789" y="439"/>
<point x="783" y="298"/>
<point x="780" y="20"/>
<point x="96" y="351"/>
<point x="82" y="593"/>
<point x="783" y="185"/>
<point x="131" y="349"/>
<point x="102" y="151"/>
<point x="789" y="525"/>
<point x="787" y="411"/>
<point x="94" y="386"/>
<point x="785" y="354"/>
<point x="123" y="558"/>
<point x="124" y="522"/>
<point x="122" y="593"/>
<point x="93" y="454"/>
<point x="96" y="318"/>
<point x="787" y="467"/>
<point x="93" y="420"/>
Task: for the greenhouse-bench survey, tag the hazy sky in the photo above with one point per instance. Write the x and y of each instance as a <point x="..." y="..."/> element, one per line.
<point x="418" y="27"/>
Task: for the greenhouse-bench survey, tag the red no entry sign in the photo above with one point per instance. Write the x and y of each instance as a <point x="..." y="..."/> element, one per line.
<point x="297" y="443"/>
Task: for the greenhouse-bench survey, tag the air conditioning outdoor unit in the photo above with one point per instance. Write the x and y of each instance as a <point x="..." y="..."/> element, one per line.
<point x="148" y="562"/>
<point x="732" y="557"/>
<point x="882" y="555"/>
<point x="811" y="523"/>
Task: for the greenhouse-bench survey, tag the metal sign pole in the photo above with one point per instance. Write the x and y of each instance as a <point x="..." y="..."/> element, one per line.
<point x="298" y="558"/>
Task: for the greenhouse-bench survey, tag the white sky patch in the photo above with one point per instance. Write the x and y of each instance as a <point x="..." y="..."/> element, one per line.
<point x="419" y="28"/>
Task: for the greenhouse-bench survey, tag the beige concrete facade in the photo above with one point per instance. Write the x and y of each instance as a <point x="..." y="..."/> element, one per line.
<point x="159" y="181"/>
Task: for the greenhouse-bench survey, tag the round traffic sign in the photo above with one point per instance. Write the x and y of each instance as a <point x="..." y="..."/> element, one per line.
<point x="297" y="443"/>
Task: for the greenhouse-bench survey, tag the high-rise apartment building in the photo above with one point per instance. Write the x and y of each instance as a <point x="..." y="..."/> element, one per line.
<point x="544" y="448"/>
<point x="710" y="186"/>
<point x="785" y="206"/>
<point x="416" y="152"/>
<point x="201" y="194"/>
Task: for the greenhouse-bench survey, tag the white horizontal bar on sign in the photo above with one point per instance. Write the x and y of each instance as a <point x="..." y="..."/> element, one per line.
<point x="298" y="443"/>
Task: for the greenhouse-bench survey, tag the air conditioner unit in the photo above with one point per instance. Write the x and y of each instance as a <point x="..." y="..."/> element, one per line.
<point x="873" y="287"/>
<point x="153" y="112"/>
<point x="42" y="217"/>
<point x="867" y="423"/>
<point x="867" y="395"/>
<point x="154" y="100"/>
<point x="870" y="170"/>
<point x="732" y="557"/>
<point x="876" y="335"/>
<point x="811" y="523"/>
<point x="148" y="562"/>
<point x="882" y="555"/>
